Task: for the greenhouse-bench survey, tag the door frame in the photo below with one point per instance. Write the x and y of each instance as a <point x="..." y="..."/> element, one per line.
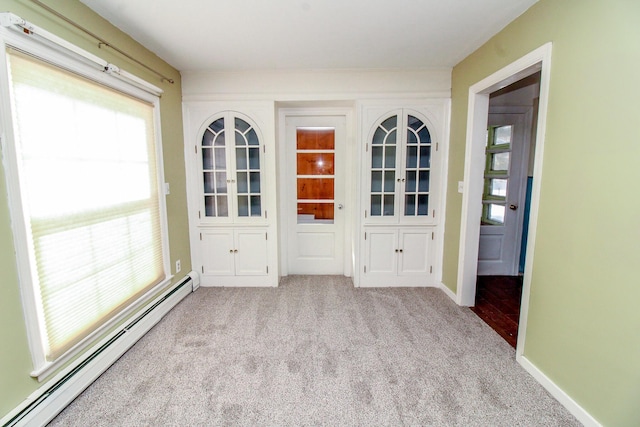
<point x="350" y="175"/>
<point x="477" y="115"/>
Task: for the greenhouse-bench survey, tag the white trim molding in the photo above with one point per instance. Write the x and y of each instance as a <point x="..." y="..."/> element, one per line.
<point x="565" y="400"/>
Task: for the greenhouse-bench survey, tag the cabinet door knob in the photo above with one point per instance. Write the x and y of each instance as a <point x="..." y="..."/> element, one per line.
<point x="400" y="250"/>
<point x="340" y="206"/>
<point x="396" y="250"/>
<point x="230" y="251"/>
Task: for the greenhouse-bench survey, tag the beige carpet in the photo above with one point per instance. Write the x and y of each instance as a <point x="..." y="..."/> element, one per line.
<point x="317" y="351"/>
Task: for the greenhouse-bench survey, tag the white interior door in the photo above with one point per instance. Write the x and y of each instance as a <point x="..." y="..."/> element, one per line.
<point x="503" y="204"/>
<point x="315" y="194"/>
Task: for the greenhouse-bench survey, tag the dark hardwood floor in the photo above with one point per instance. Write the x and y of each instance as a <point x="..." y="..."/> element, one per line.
<point x="498" y="304"/>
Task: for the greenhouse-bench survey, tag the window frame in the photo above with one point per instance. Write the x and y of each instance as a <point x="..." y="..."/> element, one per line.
<point x="25" y="256"/>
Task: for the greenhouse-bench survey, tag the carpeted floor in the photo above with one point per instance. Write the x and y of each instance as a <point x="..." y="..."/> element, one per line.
<point x="317" y="351"/>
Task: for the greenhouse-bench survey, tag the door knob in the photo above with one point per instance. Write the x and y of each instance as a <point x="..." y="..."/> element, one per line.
<point x="513" y="207"/>
<point x="340" y="206"/>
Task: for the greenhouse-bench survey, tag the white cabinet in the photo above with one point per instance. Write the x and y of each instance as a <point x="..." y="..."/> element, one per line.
<point x="397" y="257"/>
<point x="401" y="188"/>
<point x="231" y="253"/>
<point x="231" y="185"/>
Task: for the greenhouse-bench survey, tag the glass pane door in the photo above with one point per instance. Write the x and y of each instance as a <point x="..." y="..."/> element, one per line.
<point x="417" y="168"/>
<point x="214" y="170"/>
<point x="383" y="168"/>
<point x="496" y="176"/>
<point x="315" y="179"/>
<point x="247" y="153"/>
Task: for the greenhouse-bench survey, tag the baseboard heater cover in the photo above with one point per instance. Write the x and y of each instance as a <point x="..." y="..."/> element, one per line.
<point x="44" y="404"/>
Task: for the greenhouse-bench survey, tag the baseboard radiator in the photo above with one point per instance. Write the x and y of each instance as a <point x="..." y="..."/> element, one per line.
<point x="48" y="401"/>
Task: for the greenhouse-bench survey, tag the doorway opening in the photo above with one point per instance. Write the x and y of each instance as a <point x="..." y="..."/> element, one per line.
<point x="506" y="199"/>
<point x="537" y="61"/>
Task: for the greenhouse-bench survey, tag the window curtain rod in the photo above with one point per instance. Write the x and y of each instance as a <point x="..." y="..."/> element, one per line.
<point x="10" y="20"/>
<point x="100" y="40"/>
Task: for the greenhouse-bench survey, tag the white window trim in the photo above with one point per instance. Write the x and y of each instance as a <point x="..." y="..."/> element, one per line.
<point x="72" y="61"/>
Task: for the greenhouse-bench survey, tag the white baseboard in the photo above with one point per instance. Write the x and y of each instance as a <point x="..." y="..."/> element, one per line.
<point x="49" y="400"/>
<point x="572" y="406"/>
<point x="448" y="292"/>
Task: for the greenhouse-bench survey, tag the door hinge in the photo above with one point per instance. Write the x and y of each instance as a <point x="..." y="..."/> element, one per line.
<point x="196" y="148"/>
<point x="434" y="213"/>
<point x="437" y="146"/>
<point x="365" y="268"/>
<point x="203" y="269"/>
<point x="199" y="215"/>
<point x="265" y="215"/>
<point x="366" y="147"/>
<point x="200" y="236"/>
<point x="432" y="235"/>
<point x="266" y="236"/>
<point x="430" y="269"/>
<point x="365" y="235"/>
<point x="365" y="213"/>
<point x="267" y="269"/>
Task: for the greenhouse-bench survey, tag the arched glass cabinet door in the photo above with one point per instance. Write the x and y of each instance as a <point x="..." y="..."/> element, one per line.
<point x="231" y="169"/>
<point x="400" y="167"/>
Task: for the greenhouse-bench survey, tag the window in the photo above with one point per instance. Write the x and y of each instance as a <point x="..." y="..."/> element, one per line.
<point x="86" y="169"/>
<point x="496" y="175"/>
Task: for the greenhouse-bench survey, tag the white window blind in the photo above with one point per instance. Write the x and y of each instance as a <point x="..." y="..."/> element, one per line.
<point x="87" y="170"/>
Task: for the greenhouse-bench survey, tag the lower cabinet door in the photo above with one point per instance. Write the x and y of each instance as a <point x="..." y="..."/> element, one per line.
<point x="414" y="258"/>
<point x="381" y="252"/>
<point x="251" y="255"/>
<point x="217" y="252"/>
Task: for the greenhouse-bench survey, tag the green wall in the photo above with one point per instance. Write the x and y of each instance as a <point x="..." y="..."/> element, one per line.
<point x="584" y="321"/>
<point x="15" y="359"/>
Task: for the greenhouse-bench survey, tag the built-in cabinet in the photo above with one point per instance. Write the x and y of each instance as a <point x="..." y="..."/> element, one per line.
<point x="400" y="197"/>
<point x="231" y="192"/>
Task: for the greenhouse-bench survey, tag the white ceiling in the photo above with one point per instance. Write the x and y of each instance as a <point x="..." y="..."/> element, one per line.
<point x="225" y="35"/>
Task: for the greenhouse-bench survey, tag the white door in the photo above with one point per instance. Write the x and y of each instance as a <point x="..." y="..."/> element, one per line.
<point x="503" y="197"/>
<point x="315" y="194"/>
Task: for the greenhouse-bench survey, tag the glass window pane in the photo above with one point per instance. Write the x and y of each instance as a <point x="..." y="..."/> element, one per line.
<point x="242" y="186"/>
<point x="220" y="159"/>
<point x="254" y="182"/>
<point x="423" y="184"/>
<point x="315" y="188"/>
<point x="496" y="213"/>
<point x="252" y="137"/>
<point x="424" y="136"/>
<point x="376" y="157"/>
<point x="241" y="159"/>
<point x="240" y="140"/>
<point x="256" y="210"/>
<point x="389" y="181"/>
<point x="243" y="205"/>
<point x="209" y="206"/>
<point x="391" y="139"/>
<point x="207" y="159"/>
<point x="390" y="157"/>
<point x="412" y="138"/>
<point x="376" y="181"/>
<point x="498" y="187"/>
<point x="390" y="123"/>
<point x="410" y="205"/>
<point x="388" y="205"/>
<point x="410" y="184"/>
<point x="309" y="213"/>
<point x="500" y="161"/>
<point x="502" y="135"/>
<point x="378" y="137"/>
<point x="254" y="158"/>
<point x="376" y="205"/>
<point x="208" y="182"/>
<point x="223" y="208"/>
<point x="221" y="182"/>
<point x="425" y="157"/>
<point x="219" y="141"/>
<point x="423" y="204"/>
<point x="217" y="126"/>
<point x="241" y="125"/>
<point x="412" y="157"/>
<point x="414" y="122"/>
<point x="207" y="138"/>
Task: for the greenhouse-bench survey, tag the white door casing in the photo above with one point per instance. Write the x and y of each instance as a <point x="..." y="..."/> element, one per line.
<point x="499" y="245"/>
<point x="315" y="246"/>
